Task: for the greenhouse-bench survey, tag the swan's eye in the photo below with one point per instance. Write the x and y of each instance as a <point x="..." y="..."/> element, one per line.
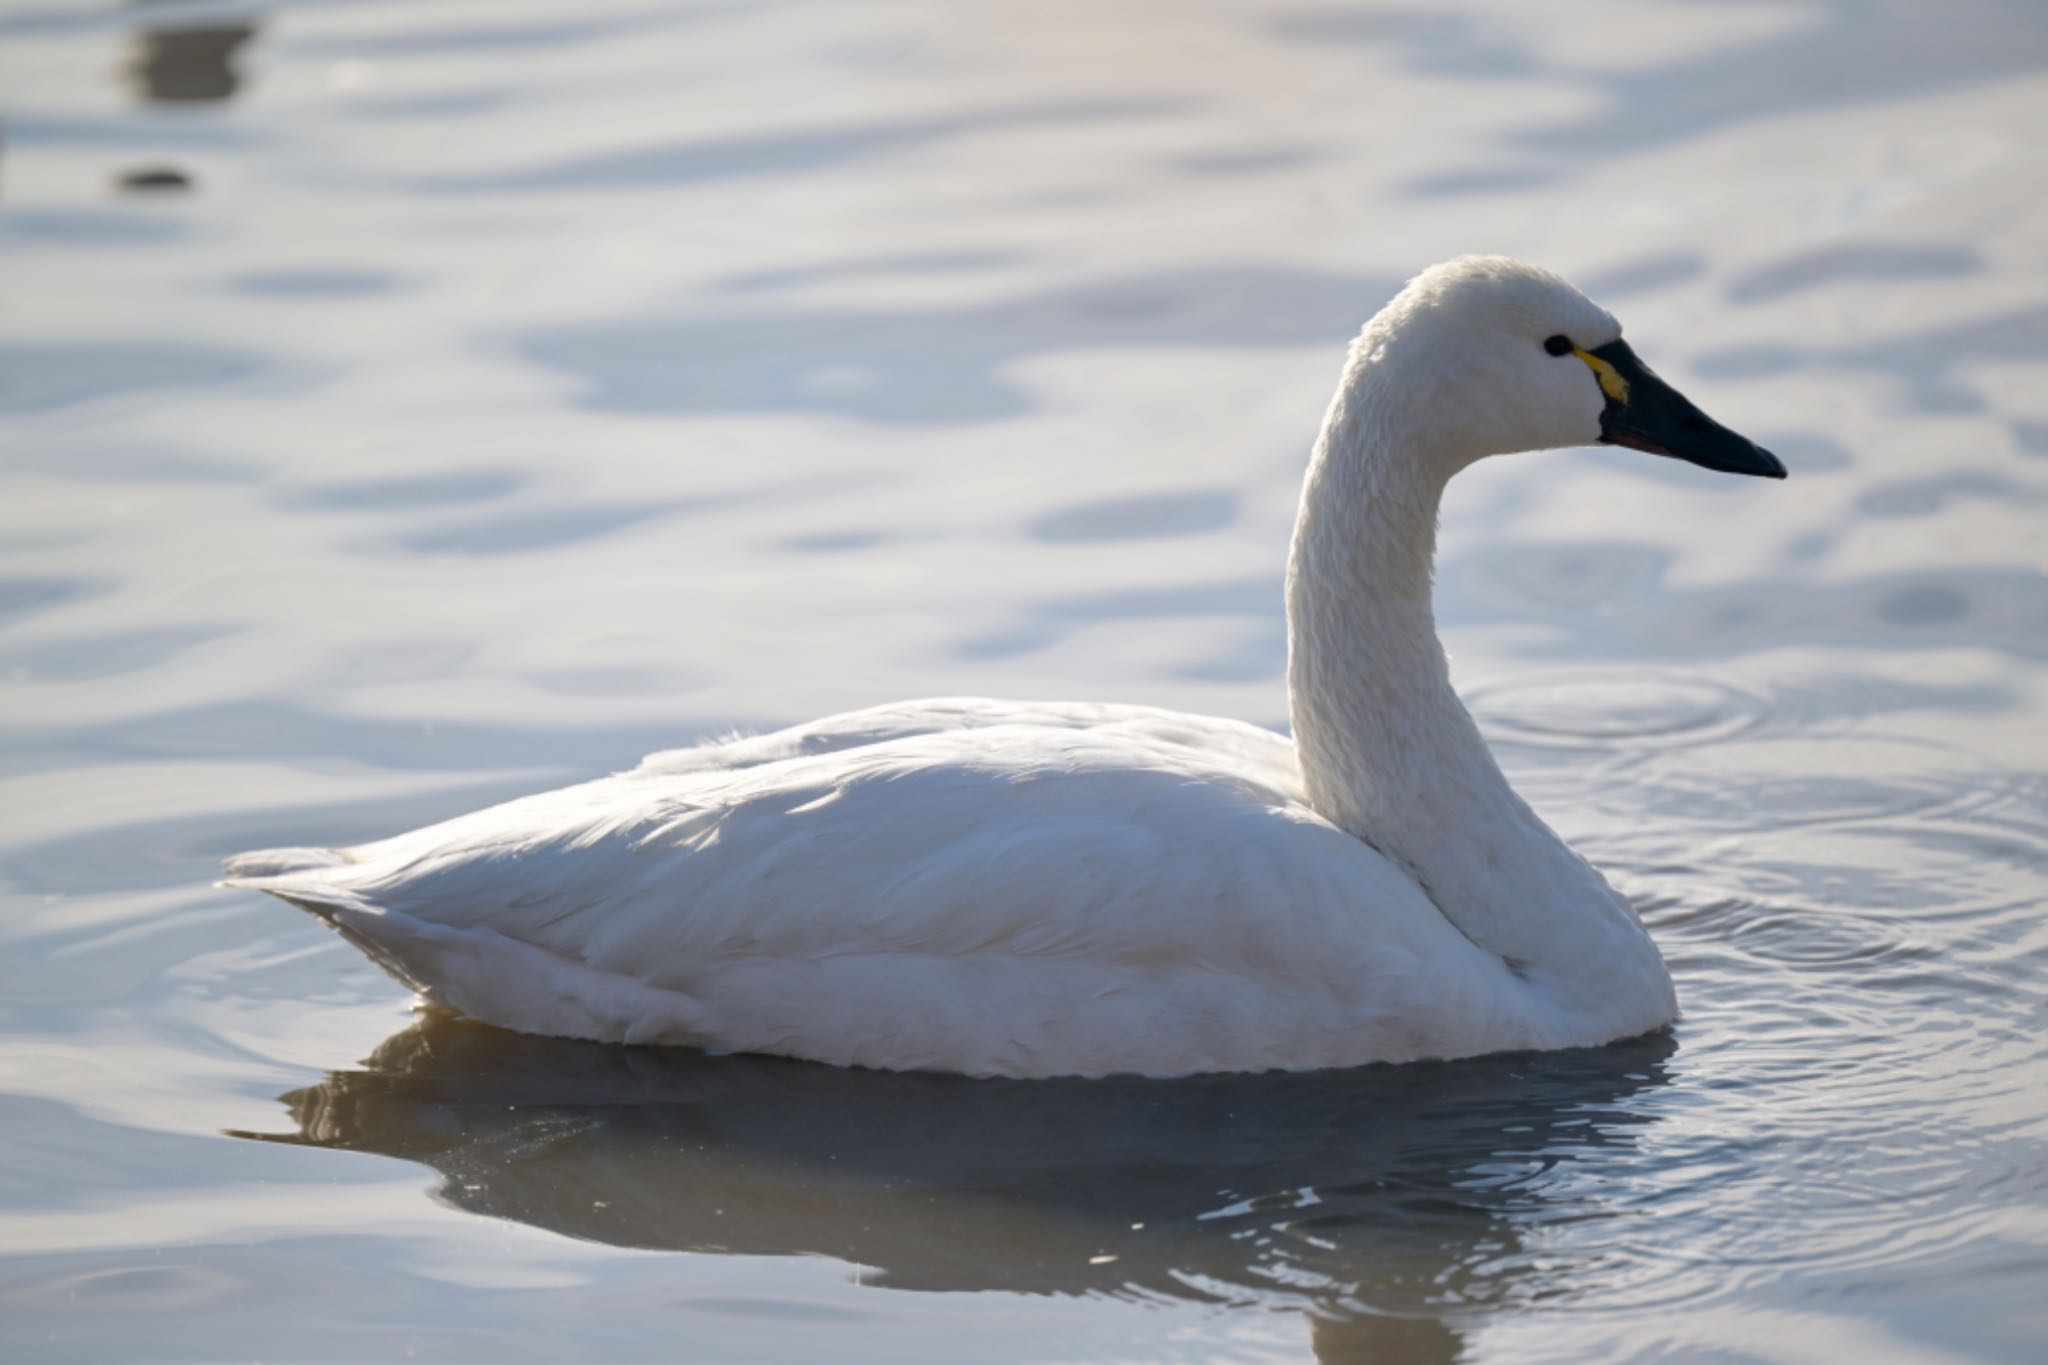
<point x="1559" y="344"/>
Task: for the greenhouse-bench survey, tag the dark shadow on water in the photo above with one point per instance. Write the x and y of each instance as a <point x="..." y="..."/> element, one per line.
<point x="1390" y="1204"/>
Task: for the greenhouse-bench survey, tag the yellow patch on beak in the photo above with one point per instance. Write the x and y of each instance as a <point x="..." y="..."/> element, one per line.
<point x="1611" y="382"/>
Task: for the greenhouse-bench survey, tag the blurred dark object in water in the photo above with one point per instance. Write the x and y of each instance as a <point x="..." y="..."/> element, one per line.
<point x="154" y="180"/>
<point x="186" y="65"/>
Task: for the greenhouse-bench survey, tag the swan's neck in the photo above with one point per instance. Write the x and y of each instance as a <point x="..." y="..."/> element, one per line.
<point x="1388" y="753"/>
<point x="1382" y="736"/>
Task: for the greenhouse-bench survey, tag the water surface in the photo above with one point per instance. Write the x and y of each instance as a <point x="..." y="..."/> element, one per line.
<point x="404" y="407"/>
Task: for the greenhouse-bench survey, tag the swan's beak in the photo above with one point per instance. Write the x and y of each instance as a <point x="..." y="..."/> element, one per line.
<point x="1645" y="412"/>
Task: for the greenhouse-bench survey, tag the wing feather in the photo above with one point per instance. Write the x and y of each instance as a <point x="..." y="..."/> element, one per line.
<point x="908" y="875"/>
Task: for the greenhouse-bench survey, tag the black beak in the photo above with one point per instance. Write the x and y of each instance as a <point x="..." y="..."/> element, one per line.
<point x="1658" y="418"/>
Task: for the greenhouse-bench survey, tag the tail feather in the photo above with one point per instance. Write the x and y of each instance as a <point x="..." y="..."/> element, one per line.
<point x="277" y="862"/>
<point x="488" y="975"/>
<point x="300" y="877"/>
<point x="409" y="949"/>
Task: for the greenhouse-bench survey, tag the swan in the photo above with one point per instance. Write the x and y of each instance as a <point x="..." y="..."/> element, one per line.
<point x="1035" y="889"/>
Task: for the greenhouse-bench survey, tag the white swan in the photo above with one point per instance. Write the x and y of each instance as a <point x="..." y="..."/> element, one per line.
<point x="1036" y="889"/>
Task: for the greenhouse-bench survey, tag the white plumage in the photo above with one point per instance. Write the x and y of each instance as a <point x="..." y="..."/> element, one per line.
<point x="1033" y="889"/>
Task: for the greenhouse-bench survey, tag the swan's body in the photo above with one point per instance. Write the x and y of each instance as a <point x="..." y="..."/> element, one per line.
<point x="967" y="886"/>
<point x="1039" y="889"/>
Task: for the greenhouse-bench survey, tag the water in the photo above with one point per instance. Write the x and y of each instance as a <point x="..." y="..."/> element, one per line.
<point x="404" y="407"/>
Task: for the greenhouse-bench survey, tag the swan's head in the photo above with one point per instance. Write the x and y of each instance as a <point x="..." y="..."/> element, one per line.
<point x="1489" y="355"/>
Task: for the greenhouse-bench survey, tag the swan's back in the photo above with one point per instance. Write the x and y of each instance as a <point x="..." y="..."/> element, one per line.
<point x="963" y="885"/>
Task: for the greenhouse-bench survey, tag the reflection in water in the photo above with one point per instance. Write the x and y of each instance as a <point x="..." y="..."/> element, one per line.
<point x="1390" y="1204"/>
<point x="180" y="64"/>
<point x="184" y="64"/>
<point x="154" y="180"/>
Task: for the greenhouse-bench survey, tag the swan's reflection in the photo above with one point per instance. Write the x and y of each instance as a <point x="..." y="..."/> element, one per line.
<point x="1382" y="1200"/>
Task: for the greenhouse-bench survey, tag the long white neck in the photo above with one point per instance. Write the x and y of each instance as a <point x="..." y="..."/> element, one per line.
<point x="1388" y="753"/>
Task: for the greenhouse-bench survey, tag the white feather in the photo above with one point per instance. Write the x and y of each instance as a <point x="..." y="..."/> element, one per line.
<point x="1031" y="889"/>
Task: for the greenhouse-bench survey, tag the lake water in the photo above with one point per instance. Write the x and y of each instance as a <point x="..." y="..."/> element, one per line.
<point x="408" y="406"/>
